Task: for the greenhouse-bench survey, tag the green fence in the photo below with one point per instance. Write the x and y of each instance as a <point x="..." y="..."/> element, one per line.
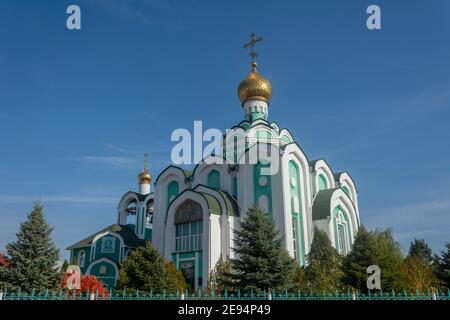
<point x="136" y="295"/>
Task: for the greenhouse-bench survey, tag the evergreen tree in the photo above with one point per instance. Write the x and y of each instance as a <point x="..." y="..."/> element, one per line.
<point x="64" y="266"/>
<point x="362" y="255"/>
<point x="444" y="266"/>
<point x="33" y="256"/>
<point x="220" y="278"/>
<point x="374" y="248"/>
<point x="324" y="269"/>
<point x="421" y="250"/>
<point x="145" y="270"/>
<point x="262" y="261"/>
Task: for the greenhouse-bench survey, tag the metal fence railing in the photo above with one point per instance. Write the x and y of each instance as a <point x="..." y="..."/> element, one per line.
<point x="263" y="295"/>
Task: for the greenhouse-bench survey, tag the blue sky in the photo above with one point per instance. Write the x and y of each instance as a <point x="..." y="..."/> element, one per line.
<point x="79" y="108"/>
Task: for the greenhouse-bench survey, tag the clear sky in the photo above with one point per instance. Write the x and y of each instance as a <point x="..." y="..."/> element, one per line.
<point x="79" y="108"/>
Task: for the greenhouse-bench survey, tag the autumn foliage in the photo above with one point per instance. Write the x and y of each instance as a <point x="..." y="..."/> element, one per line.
<point x="4" y="262"/>
<point x="88" y="284"/>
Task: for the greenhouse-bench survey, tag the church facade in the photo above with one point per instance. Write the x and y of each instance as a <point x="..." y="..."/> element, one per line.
<point x="191" y="215"/>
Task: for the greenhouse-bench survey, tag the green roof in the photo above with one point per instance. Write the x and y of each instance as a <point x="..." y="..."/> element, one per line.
<point x="129" y="237"/>
<point x="230" y="202"/>
<point x="322" y="204"/>
<point x="232" y="207"/>
<point x="213" y="203"/>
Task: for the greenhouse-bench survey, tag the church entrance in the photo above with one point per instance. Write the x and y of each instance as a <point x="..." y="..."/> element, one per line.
<point x="188" y="270"/>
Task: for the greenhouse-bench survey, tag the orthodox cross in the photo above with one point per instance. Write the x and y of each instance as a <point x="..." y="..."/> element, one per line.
<point x="145" y="161"/>
<point x="253" y="41"/>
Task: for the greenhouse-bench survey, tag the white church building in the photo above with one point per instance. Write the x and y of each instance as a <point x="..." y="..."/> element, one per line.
<point x="191" y="215"/>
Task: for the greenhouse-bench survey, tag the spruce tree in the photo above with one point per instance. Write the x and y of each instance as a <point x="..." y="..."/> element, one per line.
<point x="33" y="256"/>
<point x="145" y="270"/>
<point x="262" y="262"/>
<point x="421" y="250"/>
<point x="324" y="269"/>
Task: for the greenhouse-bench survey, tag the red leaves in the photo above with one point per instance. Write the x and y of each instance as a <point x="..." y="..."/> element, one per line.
<point x="4" y="262"/>
<point x="88" y="284"/>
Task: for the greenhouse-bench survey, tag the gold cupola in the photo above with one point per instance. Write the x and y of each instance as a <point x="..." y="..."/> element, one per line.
<point x="255" y="87"/>
<point x="144" y="177"/>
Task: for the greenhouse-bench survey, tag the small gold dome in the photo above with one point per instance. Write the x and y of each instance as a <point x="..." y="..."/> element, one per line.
<point x="144" y="177"/>
<point x="255" y="86"/>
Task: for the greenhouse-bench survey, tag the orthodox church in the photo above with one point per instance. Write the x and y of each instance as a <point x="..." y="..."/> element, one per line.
<point x="190" y="216"/>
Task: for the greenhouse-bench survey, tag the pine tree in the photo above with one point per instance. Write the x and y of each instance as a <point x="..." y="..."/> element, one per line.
<point x="220" y="278"/>
<point x="324" y="269"/>
<point x="33" y="256"/>
<point x="420" y="249"/>
<point x="444" y="266"/>
<point x="145" y="270"/>
<point x="262" y="262"/>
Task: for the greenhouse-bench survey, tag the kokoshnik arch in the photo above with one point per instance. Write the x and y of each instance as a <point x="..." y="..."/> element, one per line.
<point x="190" y="216"/>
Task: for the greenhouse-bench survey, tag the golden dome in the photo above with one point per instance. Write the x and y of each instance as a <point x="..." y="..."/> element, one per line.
<point x="144" y="177"/>
<point x="255" y="86"/>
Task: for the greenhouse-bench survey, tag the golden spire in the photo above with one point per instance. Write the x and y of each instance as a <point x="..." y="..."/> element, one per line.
<point x="254" y="86"/>
<point x="144" y="176"/>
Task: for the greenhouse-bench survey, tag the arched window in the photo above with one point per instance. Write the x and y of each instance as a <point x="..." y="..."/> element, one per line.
<point x="214" y="179"/>
<point x="172" y="191"/>
<point x="149" y="211"/>
<point x="131" y="211"/>
<point x="188" y="226"/>
<point x="341" y="229"/>
<point x="323" y="185"/>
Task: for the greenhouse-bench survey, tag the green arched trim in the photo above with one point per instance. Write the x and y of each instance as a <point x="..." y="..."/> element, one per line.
<point x="323" y="185"/>
<point x="346" y="191"/>
<point x="294" y="172"/>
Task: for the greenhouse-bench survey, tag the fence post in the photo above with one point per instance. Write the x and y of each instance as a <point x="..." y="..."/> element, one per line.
<point x="91" y="296"/>
<point x="433" y="293"/>
<point x="353" y="294"/>
<point x="269" y="294"/>
<point x="1" y="295"/>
